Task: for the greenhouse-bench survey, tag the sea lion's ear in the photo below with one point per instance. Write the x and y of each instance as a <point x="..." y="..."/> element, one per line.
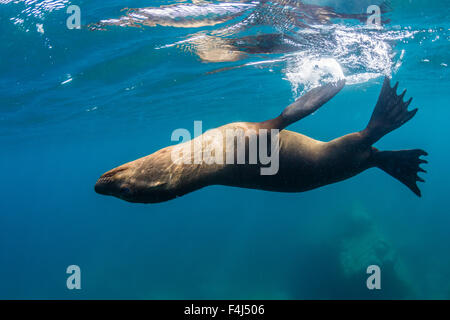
<point x="305" y="105"/>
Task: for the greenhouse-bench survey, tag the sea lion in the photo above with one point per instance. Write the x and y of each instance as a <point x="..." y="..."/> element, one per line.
<point x="180" y="15"/>
<point x="206" y="13"/>
<point x="223" y="44"/>
<point x="304" y="163"/>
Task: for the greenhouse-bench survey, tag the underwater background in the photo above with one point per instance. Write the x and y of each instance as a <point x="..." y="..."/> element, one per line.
<point x="76" y="103"/>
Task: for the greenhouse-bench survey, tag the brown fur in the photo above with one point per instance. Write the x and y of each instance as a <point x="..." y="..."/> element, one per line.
<point x="304" y="163"/>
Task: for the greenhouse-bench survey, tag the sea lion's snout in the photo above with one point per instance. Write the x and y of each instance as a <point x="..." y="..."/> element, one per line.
<point x="132" y="183"/>
<point x="101" y="186"/>
<point x="111" y="183"/>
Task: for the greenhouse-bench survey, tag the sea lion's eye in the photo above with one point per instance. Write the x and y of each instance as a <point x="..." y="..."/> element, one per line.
<point x="125" y="190"/>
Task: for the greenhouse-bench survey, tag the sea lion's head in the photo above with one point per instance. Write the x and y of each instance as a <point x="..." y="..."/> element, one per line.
<point x="131" y="183"/>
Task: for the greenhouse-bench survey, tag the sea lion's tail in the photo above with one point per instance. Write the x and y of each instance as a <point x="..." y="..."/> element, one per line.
<point x="402" y="165"/>
<point x="390" y="112"/>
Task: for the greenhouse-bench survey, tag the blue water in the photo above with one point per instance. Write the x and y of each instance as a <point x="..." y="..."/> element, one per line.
<point x="76" y="103"/>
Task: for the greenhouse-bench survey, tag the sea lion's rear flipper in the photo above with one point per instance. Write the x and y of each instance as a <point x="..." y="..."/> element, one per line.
<point x="390" y="112"/>
<point x="402" y="165"/>
<point x="305" y="105"/>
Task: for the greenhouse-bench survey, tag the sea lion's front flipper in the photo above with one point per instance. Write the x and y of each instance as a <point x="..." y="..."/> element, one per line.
<point x="305" y="105"/>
